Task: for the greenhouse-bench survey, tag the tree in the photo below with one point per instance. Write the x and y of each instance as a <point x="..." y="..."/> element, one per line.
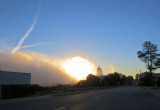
<point x="123" y="79"/>
<point x="81" y="83"/>
<point x="145" y="80"/>
<point x="129" y="80"/>
<point x="158" y="82"/>
<point x="149" y="56"/>
<point x="114" y="79"/>
<point x="92" y="81"/>
<point x="157" y="63"/>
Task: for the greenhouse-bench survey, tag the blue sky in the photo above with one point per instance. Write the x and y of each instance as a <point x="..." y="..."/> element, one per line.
<point x="103" y="31"/>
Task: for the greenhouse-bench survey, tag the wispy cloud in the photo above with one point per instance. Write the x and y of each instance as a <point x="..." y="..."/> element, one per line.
<point x="28" y="31"/>
<point x="23" y="38"/>
<point x="37" y="44"/>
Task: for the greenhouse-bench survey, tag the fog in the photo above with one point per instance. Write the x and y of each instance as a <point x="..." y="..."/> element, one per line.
<point x="45" y="70"/>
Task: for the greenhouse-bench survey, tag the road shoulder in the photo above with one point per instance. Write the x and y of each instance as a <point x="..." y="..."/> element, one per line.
<point x="153" y="90"/>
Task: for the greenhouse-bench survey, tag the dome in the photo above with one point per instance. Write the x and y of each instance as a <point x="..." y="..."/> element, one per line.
<point x="99" y="71"/>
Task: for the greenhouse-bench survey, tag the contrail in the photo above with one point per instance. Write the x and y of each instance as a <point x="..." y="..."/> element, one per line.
<point x="24" y="37"/>
<point x="28" y="32"/>
<point x="43" y="43"/>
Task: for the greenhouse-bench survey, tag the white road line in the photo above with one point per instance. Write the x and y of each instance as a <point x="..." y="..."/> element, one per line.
<point x="61" y="108"/>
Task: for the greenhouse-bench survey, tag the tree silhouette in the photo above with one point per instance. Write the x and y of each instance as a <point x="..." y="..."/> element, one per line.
<point x="114" y="79"/>
<point x="145" y="80"/>
<point x="81" y="83"/>
<point x="92" y="81"/>
<point x="129" y="80"/>
<point x="157" y="63"/>
<point x="149" y="56"/>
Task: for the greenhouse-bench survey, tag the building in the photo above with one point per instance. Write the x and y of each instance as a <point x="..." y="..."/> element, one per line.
<point x="99" y="71"/>
<point x="14" y="78"/>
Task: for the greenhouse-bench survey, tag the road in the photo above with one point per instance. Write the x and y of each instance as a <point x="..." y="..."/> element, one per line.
<point x="121" y="98"/>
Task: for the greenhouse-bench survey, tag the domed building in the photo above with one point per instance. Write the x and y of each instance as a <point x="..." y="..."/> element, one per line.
<point x="99" y="71"/>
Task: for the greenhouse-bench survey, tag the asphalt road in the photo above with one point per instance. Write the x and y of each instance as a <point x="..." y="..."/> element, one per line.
<point x="121" y="98"/>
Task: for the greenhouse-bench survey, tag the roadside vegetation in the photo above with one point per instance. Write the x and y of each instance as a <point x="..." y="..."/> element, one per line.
<point x="112" y="79"/>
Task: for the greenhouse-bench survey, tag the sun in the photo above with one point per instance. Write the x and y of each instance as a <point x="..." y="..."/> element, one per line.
<point x="78" y="67"/>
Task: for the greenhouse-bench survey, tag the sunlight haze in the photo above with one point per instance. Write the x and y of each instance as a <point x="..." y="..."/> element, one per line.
<point x="78" y="67"/>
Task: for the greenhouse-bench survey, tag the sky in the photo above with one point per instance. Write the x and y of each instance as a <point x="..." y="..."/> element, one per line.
<point x="106" y="32"/>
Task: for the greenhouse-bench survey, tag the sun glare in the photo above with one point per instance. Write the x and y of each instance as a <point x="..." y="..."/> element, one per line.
<point x="78" y="67"/>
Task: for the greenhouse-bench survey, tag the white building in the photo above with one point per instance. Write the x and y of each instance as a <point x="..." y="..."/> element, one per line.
<point x="14" y="78"/>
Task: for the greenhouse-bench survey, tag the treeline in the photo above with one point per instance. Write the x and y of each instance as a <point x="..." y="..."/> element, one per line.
<point x="112" y="79"/>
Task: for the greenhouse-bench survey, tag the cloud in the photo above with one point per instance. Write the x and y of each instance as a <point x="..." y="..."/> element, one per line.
<point x="28" y="31"/>
<point x="45" y="70"/>
<point x="43" y="43"/>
